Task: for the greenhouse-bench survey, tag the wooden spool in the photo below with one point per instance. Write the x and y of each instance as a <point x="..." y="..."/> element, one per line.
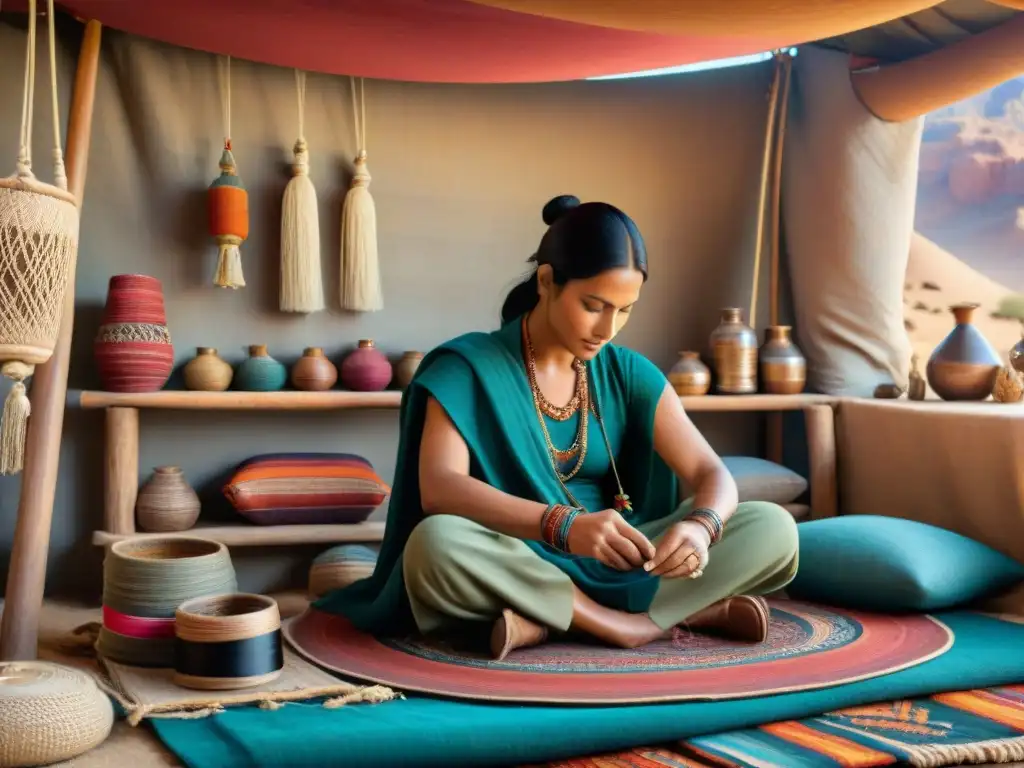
<point x="227" y="642"/>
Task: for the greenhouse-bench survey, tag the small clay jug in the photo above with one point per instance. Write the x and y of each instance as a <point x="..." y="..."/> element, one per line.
<point x="166" y="502"/>
<point x="313" y="372"/>
<point x="206" y="372"/>
<point x="366" y="369"/>
<point x="964" y="365"/>
<point x="260" y="372"/>
<point x="917" y="388"/>
<point x="734" y="349"/>
<point x="783" y="366"/>
<point x="406" y="367"/>
<point x="689" y="376"/>
<point x="1017" y="354"/>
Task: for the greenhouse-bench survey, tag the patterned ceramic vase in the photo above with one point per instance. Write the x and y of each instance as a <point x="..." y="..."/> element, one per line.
<point x="783" y="366"/>
<point x="689" y="376"/>
<point x="406" y="367"/>
<point x="260" y="372"/>
<point x="206" y="372"/>
<point x="366" y="369"/>
<point x="313" y="372"/>
<point x="133" y="348"/>
<point x="166" y="502"/>
<point x="734" y="348"/>
<point x="964" y="366"/>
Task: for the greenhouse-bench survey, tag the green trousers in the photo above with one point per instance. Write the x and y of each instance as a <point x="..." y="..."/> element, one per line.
<point x="457" y="570"/>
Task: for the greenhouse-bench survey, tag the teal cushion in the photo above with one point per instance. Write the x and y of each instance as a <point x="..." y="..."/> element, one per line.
<point x="889" y="564"/>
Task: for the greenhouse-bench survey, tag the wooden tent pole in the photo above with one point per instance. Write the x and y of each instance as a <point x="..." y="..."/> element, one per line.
<point x="26" y="577"/>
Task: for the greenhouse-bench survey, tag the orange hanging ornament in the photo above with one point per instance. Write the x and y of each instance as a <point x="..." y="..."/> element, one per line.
<point x="228" y="205"/>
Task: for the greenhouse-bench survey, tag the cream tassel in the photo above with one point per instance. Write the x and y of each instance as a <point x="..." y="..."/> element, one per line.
<point x="301" y="283"/>
<point x="14" y="423"/>
<point x="360" y="275"/>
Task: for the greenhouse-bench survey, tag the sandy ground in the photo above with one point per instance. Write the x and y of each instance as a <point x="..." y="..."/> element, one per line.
<point x="936" y="279"/>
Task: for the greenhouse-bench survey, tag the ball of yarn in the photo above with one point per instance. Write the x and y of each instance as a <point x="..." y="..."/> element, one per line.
<point x="340" y="566"/>
<point x="49" y="713"/>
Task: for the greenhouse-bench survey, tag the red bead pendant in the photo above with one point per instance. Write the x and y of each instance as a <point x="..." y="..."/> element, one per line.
<point x="622" y="503"/>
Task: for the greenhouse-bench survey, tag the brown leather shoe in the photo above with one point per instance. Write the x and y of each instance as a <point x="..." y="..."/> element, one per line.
<point x="513" y="631"/>
<point x="744" y="617"/>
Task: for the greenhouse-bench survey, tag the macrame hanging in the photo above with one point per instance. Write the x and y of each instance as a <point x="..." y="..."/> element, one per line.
<point x="302" y="287"/>
<point x="360" y="273"/>
<point x="228" y="201"/>
<point x="38" y="246"/>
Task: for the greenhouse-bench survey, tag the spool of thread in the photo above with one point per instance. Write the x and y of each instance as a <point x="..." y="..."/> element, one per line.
<point x="145" y="579"/>
<point x="227" y="642"/>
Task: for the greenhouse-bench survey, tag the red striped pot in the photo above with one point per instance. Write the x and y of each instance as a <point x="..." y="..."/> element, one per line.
<point x="133" y="347"/>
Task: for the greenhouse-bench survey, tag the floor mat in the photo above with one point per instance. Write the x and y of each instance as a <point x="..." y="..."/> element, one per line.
<point x="808" y="646"/>
<point x="429" y="732"/>
<point x="960" y="728"/>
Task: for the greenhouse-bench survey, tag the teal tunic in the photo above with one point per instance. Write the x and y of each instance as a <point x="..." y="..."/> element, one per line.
<point x="480" y="380"/>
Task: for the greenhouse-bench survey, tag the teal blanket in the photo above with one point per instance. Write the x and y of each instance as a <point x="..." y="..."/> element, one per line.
<point x="430" y="732"/>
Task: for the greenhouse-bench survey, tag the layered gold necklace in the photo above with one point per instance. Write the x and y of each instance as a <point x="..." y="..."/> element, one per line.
<point x="581" y="403"/>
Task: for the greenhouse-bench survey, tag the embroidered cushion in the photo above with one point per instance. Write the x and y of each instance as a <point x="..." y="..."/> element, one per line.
<point x="763" y="480"/>
<point x="888" y="564"/>
<point x="312" y="488"/>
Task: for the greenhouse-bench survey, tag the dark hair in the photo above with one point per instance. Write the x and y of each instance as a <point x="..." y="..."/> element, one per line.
<point x="583" y="240"/>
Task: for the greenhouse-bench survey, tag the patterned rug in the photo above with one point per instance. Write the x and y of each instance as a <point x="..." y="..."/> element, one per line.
<point x="967" y="727"/>
<point x="808" y="647"/>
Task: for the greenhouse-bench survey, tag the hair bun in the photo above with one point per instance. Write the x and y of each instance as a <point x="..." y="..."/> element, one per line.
<point x="557" y="207"/>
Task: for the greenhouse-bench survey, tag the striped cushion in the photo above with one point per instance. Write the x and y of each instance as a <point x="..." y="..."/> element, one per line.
<point x="295" y="488"/>
<point x="340" y="566"/>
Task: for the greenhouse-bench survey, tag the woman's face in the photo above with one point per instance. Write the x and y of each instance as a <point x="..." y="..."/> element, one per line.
<point x="586" y="314"/>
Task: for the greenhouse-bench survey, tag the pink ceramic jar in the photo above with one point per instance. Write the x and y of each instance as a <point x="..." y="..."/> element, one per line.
<point x="366" y="369"/>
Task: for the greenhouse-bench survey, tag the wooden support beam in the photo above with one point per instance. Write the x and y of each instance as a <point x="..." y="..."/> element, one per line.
<point x="121" y="471"/>
<point x="912" y="88"/>
<point x="820" y="423"/>
<point x="26" y="577"/>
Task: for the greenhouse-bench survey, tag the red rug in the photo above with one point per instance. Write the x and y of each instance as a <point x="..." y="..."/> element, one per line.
<point x="808" y="647"/>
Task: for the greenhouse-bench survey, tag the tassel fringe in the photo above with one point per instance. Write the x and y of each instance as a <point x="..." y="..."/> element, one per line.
<point x="301" y="283"/>
<point x="229" y="263"/>
<point x="360" y="278"/>
<point x="14" y="423"/>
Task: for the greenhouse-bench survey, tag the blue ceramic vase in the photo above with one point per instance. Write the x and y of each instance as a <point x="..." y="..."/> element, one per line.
<point x="260" y="372"/>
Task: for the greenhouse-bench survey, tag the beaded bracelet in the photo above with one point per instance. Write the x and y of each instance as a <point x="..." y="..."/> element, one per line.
<point x="555" y="524"/>
<point x="711" y="521"/>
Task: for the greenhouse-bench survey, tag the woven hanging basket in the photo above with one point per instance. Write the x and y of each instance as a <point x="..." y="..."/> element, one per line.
<point x="38" y="246"/>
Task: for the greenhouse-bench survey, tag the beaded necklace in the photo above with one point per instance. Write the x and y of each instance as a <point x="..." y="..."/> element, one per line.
<point x="583" y="401"/>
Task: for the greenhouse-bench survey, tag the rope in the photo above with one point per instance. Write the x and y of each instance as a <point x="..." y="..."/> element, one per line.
<point x="24" y="162"/>
<point x="59" y="172"/>
<point x="359" y="113"/>
<point x="224" y="72"/>
<point x="300" y="92"/>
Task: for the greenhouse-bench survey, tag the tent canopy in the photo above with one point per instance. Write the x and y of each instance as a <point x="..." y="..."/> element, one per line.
<point x="495" y="41"/>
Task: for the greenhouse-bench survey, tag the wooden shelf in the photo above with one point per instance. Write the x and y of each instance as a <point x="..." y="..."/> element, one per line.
<point x="289" y="400"/>
<point x="248" y="535"/>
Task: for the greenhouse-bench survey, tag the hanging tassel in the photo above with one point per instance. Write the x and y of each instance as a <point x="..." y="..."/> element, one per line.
<point x="301" y="284"/>
<point x="14" y="423"/>
<point x="229" y="221"/>
<point x="360" y="275"/>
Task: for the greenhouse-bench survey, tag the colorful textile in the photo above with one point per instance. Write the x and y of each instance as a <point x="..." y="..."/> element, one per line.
<point x="480" y="380"/>
<point x="435" y="733"/>
<point x="340" y="566"/>
<point x="977" y="726"/>
<point x="314" y="488"/>
<point x="808" y="647"/>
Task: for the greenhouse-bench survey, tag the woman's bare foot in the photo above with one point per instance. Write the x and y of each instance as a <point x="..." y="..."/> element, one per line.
<point x="618" y="628"/>
<point x="744" y="617"/>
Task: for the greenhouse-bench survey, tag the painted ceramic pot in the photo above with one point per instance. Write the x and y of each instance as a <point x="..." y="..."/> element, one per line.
<point x="783" y="366"/>
<point x="207" y="372"/>
<point x="964" y="365"/>
<point x="260" y="372"/>
<point x="366" y="369"/>
<point x="1017" y="354"/>
<point x="313" y="372"/>
<point x="734" y="348"/>
<point x="166" y="502"/>
<point x="689" y="376"/>
<point x="132" y="348"/>
<point x="406" y="367"/>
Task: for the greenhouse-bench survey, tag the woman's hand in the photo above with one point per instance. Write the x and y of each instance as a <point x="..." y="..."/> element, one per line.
<point x="607" y="537"/>
<point x="682" y="551"/>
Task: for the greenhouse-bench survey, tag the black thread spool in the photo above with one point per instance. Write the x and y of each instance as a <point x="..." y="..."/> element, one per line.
<point x="227" y="642"/>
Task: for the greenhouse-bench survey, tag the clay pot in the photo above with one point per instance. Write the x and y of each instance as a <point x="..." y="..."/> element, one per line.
<point x="366" y="369"/>
<point x="166" y="502"/>
<point x="206" y="372"/>
<point x="260" y="372"/>
<point x="313" y="372"/>
<point x="689" y="376"/>
<point x="783" y="366"/>
<point x="734" y="348"/>
<point x="917" y="388"/>
<point x="964" y="365"/>
<point x="406" y="367"/>
<point x="1017" y="354"/>
<point x="132" y="348"/>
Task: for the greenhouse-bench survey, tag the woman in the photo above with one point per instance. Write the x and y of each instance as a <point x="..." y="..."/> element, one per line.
<point x="512" y="511"/>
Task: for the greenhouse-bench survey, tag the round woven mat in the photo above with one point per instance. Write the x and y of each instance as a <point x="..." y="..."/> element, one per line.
<point x="808" y="647"/>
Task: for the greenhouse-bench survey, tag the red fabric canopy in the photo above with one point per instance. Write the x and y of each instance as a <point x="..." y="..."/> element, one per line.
<point x="420" y="40"/>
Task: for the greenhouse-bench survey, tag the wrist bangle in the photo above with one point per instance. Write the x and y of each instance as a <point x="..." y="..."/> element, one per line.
<point x="555" y="524"/>
<point x="711" y="521"/>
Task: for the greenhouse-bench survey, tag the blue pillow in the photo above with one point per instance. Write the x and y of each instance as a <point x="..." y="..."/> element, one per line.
<point x="888" y="564"/>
